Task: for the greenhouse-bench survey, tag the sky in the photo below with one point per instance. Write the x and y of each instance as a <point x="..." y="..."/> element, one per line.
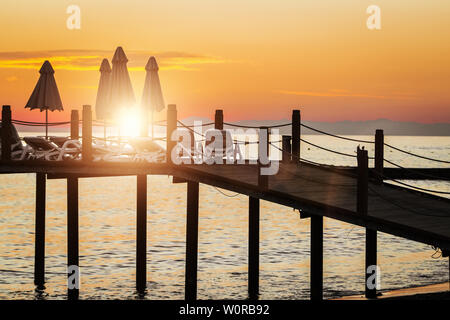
<point x="255" y="59"/>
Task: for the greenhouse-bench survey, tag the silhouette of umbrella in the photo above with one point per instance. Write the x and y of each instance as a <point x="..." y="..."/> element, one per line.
<point x="152" y="98"/>
<point x="102" y="103"/>
<point x="45" y="95"/>
<point x="102" y="110"/>
<point x="121" y="94"/>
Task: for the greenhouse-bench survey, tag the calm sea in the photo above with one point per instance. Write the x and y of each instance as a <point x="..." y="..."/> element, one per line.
<point x="107" y="238"/>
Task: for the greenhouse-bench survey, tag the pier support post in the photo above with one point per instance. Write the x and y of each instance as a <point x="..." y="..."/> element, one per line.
<point x="253" y="248"/>
<point x="379" y="154"/>
<point x="72" y="238"/>
<point x="87" y="133"/>
<point x="6" y="133"/>
<point x="218" y="120"/>
<point x="141" y="234"/>
<point x="371" y="264"/>
<point x="39" y="253"/>
<point x="296" y="136"/>
<point x="371" y="235"/>
<point x="316" y="257"/>
<point x="170" y="128"/>
<point x="287" y="149"/>
<point x="74" y="125"/>
<point x="191" y="240"/>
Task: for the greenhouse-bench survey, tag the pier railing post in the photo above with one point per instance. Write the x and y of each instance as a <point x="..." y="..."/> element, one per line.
<point x="218" y="120"/>
<point x="371" y="235"/>
<point x="6" y="133"/>
<point x="263" y="157"/>
<point x="316" y="257"/>
<point x="362" y="181"/>
<point x="287" y="149"/>
<point x="296" y="136"/>
<point x="87" y="133"/>
<point x="253" y="248"/>
<point x="170" y="128"/>
<point x="191" y="240"/>
<point x="379" y="154"/>
<point x="74" y="125"/>
<point x="72" y="238"/>
<point x="39" y="253"/>
<point x="141" y="234"/>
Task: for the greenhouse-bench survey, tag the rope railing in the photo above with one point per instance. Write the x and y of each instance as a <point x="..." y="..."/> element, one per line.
<point x="386" y="177"/>
<point x="425" y="175"/>
<point x="329" y="150"/>
<point x="302" y="159"/>
<point x="256" y="127"/>
<point x="194" y="126"/>
<point x="415" y="155"/>
<point x="410" y="185"/>
<point x="334" y="135"/>
<point x="38" y="124"/>
<point x="181" y="124"/>
<point x="190" y="129"/>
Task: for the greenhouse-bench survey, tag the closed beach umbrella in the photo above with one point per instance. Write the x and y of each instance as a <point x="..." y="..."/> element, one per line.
<point x="121" y="94"/>
<point x="45" y="95"/>
<point x="102" y="103"/>
<point x="102" y="110"/>
<point x="152" y="98"/>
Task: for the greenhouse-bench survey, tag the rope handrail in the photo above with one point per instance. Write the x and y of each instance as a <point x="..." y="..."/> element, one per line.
<point x="376" y="193"/>
<point x="329" y="150"/>
<point x="190" y="129"/>
<point x="334" y="135"/>
<point x="302" y="159"/>
<point x="410" y="185"/>
<point x="30" y="123"/>
<point x="256" y="127"/>
<point x="193" y="126"/>
<point x="415" y="155"/>
<point x="413" y="172"/>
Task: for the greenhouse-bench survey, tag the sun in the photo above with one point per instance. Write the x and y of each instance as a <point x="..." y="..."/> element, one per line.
<point x="129" y="122"/>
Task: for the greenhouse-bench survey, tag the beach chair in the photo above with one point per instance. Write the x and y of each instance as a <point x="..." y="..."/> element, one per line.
<point x="59" y="141"/>
<point x="19" y="151"/>
<point x="219" y="146"/>
<point x="48" y="150"/>
<point x="146" y="149"/>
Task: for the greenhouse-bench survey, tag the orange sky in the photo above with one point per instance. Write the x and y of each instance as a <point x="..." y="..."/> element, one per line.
<point x="254" y="59"/>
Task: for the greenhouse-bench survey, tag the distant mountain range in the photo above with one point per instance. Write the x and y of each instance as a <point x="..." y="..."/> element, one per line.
<point x="393" y="128"/>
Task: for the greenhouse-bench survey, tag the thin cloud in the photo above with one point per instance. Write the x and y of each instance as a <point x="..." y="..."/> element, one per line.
<point x="11" y="79"/>
<point x="342" y="93"/>
<point x="89" y="60"/>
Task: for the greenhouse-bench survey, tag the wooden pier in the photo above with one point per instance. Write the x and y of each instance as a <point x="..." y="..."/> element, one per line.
<point x="357" y="195"/>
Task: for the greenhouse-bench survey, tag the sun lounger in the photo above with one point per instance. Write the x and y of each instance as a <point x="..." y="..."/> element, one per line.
<point x="146" y="149"/>
<point x="19" y="151"/>
<point x="218" y="146"/>
<point x="49" y="150"/>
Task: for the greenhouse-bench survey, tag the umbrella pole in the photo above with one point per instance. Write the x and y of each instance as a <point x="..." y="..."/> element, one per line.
<point x="46" y="123"/>
<point x="152" y="125"/>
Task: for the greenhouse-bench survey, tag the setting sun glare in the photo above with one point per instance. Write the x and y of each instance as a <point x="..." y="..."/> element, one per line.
<point x="129" y="122"/>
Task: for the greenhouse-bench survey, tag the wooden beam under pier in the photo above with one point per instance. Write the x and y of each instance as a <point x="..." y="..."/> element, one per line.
<point x="72" y="237"/>
<point x="39" y="253"/>
<point x="141" y="234"/>
<point x="191" y="240"/>
<point x="316" y="266"/>
<point x="253" y="248"/>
